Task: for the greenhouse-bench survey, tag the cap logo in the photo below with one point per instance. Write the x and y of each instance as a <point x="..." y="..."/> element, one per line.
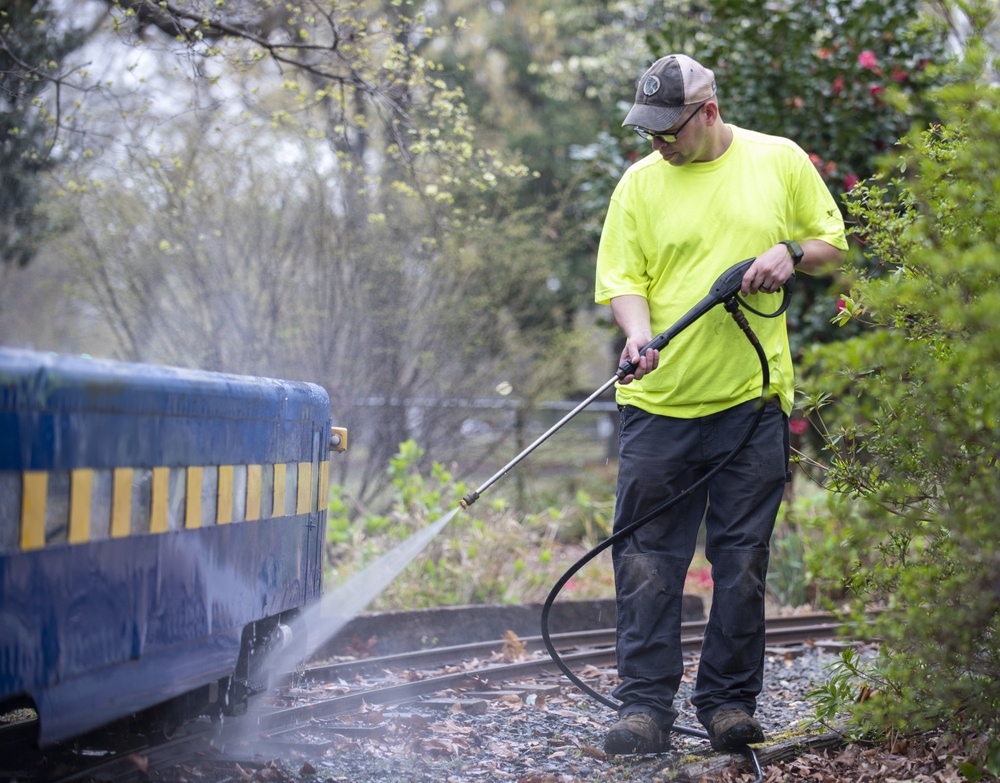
<point x="651" y="85"/>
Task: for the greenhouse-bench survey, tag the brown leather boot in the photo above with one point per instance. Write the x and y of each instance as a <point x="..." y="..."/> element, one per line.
<point x="637" y="732"/>
<point x="733" y="729"/>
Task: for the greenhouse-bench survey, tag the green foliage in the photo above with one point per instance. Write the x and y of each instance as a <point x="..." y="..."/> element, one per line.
<point x="843" y="688"/>
<point x="820" y="539"/>
<point x="786" y="575"/>
<point x="486" y="555"/>
<point x="825" y="78"/>
<point x="911" y="411"/>
<point x="843" y="79"/>
<point x="316" y="183"/>
<point x="31" y="50"/>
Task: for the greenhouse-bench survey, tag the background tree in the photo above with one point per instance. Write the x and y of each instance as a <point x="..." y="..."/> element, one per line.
<point x="338" y="161"/>
<point x="333" y="221"/>
<point x="33" y="44"/>
<point x="815" y="71"/>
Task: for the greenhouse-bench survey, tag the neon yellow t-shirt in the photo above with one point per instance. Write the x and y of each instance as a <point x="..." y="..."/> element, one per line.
<point x="671" y="231"/>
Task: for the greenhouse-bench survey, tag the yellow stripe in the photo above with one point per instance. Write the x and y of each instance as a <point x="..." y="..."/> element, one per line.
<point x="303" y="504"/>
<point x="81" y="483"/>
<point x="192" y="508"/>
<point x="121" y="503"/>
<point x="323" y="500"/>
<point x="224" y="506"/>
<point x="253" y="492"/>
<point x="35" y="487"/>
<point x="34" y="499"/>
<point x="159" y="521"/>
<point x="278" y="508"/>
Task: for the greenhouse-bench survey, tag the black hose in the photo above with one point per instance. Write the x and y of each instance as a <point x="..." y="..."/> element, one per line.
<point x="732" y="306"/>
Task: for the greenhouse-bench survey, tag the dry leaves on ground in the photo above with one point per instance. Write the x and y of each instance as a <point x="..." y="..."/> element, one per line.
<point x="931" y="758"/>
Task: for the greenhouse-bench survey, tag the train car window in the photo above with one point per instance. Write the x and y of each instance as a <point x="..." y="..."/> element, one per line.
<point x="239" y="493"/>
<point x="266" y="491"/>
<point x="142" y="501"/>
<point x="209" y="495"/>
<point x="100" y="505"/>
<point x="10" y="510"/>
<point x="57" y="507"/>
<point x="291" y="488"/>
<point x="176" y="498"/>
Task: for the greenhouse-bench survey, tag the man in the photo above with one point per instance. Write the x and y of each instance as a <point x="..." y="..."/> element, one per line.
<point x="708" y="196"/>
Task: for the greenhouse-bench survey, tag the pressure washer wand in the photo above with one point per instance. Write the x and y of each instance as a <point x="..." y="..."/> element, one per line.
<point x="727" y="286"/>
<point x="473" y="496"/>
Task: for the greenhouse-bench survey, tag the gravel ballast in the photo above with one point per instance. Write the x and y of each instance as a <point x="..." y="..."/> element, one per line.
<point x="549" y="735"/>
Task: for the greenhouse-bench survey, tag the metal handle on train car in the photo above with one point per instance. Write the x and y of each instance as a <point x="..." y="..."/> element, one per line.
<point x="338" y="439"/>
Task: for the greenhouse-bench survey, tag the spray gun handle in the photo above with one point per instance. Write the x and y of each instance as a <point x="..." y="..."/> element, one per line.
<point x="727" y="285"/>
<point x="657" y="343"/>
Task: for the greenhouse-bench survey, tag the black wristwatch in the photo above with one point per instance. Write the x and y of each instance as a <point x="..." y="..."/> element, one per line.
<point x="794" y="249"/>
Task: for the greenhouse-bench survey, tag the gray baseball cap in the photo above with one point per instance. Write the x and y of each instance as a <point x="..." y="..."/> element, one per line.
<point x="669" y="85"/>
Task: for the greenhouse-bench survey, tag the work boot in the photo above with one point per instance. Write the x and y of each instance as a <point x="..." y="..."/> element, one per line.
<point x="637" y="732"/>
<point x="733" y="729"/>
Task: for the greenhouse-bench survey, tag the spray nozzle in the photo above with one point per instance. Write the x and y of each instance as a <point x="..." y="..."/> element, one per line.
<point x="469" y="499"/>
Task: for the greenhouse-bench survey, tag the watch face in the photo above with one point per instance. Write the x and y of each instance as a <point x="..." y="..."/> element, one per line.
<point x="794" y="249"/>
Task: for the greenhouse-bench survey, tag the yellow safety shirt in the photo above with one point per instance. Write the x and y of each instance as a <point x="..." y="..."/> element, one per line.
<point x="671" y="231"/>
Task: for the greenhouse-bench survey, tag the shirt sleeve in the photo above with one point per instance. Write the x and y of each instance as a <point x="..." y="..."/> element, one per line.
<point x="621" y="264"/>
<point x="816" y="215"/>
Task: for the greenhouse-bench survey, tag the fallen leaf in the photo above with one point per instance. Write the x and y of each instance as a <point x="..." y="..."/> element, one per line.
<point x="513" y="648"/>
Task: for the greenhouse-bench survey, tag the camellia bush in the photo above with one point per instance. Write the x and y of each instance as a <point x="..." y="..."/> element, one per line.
<point x="820" y="73"/>
<point x="910" y="410"/>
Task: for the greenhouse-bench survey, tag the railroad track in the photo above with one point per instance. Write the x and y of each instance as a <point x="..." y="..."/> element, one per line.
<point x="593" y="648"/>
<point x="459" y="675"/>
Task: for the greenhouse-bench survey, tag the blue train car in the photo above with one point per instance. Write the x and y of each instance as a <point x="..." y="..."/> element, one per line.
<point x="159" y="528"/>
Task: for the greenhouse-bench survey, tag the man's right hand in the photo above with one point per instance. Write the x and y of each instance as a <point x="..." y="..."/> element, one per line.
<point x="643" y="363"/>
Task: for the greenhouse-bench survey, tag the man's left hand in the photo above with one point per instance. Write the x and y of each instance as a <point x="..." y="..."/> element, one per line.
<point x="769" y="272"/>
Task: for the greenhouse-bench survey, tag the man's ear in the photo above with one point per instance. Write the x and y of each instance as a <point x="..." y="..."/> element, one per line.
<point x="711" y="113"/>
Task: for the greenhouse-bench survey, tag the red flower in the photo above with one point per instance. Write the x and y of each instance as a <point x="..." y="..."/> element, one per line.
<point x="899" y="75"/>
<point x="816" y="159"/>
<point x="798" y="426"/>
<point x="867" y="59"/>
<point x="875" y="90"/>
<point x="850" y="180"/>
<point x="699" y="577"/>
<point x="838" y="85"/>
<point x="824" y="54"/>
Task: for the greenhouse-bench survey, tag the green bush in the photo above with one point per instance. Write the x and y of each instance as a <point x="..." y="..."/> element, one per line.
<point x="819" y="540"/>
<point x="911" y="413"/>
<point x="487" y="554"/>
<point x="823" y="79"/>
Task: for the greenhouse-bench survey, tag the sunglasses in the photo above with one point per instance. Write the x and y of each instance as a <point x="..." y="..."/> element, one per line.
<point x="670" y="136"/>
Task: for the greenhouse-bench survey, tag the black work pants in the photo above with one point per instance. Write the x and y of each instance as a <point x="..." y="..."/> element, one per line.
<point x="660" y="457"/>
